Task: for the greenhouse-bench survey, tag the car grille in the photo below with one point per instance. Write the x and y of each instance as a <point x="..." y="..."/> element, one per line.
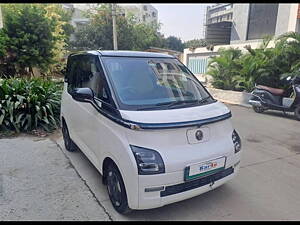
<point x="189" y="185"/>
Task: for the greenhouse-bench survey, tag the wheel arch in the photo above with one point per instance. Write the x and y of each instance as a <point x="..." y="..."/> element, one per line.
<point x="108" y="160"/>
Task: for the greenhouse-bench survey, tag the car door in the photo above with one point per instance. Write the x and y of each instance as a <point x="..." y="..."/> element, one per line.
<point x="69" y="105"/>
<point x="91" y="123"/>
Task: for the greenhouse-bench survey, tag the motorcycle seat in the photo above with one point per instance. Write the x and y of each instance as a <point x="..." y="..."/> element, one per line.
<point x="275" y="91"/>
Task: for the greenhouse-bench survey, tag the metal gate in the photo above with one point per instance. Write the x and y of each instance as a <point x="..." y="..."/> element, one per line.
<point x="198" y="64"/>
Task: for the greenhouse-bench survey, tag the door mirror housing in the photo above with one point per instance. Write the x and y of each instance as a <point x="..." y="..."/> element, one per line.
<point x="83" y="94"/>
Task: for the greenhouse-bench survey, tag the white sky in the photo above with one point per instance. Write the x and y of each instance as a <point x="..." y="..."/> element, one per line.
<point x="182" y="20"/>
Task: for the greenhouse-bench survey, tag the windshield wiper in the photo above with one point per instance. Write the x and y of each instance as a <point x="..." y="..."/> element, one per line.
<point x="195" y="101"/>
<point x="203" y="99"/>
<point x="168" y="104"/>
<point x="175" y="103"/>
<point x="182" y="102"/>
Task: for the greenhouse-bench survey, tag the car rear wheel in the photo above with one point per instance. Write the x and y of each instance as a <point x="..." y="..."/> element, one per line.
<point x="69" y="144"/>
<point x="297" y="112"/>
<point x="116" y="189"/>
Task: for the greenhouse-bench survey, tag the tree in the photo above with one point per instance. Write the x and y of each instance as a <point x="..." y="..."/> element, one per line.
<point x="61" y="33"/>
<point x="131" y="35"/>
<point x="174" y="43"/>
<point x="146" y="36"/>
<point x="30" y="36"/>
<point x="195" y="43"/>
<point x="98" y="33"/>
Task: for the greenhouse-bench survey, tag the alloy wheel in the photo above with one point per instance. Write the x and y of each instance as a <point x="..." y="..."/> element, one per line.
<point x="114" y="188"/>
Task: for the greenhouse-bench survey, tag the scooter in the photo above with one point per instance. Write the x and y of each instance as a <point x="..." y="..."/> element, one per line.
<point x="286" y="100"/>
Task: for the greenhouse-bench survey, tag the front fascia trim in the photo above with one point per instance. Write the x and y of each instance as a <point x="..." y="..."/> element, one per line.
<point x="198" y="123"/>
<point x="152" y="126"/>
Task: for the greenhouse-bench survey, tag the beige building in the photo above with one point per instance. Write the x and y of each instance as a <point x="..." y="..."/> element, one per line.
<point x="144" y="13"/>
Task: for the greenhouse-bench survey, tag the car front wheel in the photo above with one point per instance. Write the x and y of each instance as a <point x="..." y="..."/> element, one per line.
<point x="116" y="190"/>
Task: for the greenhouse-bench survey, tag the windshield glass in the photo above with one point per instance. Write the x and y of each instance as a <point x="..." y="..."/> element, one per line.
<point x="150" y="83"/>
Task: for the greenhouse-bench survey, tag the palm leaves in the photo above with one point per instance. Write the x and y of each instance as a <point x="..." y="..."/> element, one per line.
<point x="236" y="71"/>
<point x="224" y="68"/>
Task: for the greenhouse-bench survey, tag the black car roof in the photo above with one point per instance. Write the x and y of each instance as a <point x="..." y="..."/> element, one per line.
<point x="126" y="54"/>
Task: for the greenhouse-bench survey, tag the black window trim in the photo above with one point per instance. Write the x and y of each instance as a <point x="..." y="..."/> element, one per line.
<point x="116" y="99"/>
<point x="117" y="118"/>
<point x="111" y="90"/>
<point x="102" y="72"/>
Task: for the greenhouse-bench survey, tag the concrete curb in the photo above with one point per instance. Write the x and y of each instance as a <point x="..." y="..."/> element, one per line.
<point x="231" y="97"/>
<point x="234" y="103"/>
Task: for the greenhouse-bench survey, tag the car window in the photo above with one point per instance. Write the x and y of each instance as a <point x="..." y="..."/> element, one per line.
<point x="146" y="82"/>
<point x="86" y="71"/>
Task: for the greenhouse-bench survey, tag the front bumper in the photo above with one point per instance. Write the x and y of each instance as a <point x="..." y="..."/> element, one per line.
<point x="175" y="189"/>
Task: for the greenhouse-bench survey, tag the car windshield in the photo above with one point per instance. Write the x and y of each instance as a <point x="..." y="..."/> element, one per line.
<point x="153" y="83"/>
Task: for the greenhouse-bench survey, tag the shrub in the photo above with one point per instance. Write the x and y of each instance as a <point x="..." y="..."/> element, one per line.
<point x="224" y="68"/>
<point x="241" y="71"/>
<point x="29" y="103"/>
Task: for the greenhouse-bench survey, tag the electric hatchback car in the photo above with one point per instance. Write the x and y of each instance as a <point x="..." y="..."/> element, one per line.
<point x="149" y="127"/>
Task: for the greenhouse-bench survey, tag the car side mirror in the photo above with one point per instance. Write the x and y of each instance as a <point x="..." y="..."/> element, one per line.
<point x="83" y="94"/>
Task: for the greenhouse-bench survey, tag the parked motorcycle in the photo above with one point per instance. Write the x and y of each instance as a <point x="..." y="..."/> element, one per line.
<point x="286" y="100"/>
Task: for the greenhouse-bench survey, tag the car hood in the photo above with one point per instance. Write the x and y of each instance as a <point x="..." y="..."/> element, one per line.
<point x="176" y="115"/>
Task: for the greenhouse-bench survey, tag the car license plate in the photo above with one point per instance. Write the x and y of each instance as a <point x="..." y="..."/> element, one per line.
<point x="204" y="168"/>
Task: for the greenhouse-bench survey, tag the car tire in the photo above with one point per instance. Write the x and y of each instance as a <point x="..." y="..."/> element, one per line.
<point x="116" y="189"/>
<point x="69" y="144"/>
<point x="297" y="112"/>
<point x="258" y="109"/>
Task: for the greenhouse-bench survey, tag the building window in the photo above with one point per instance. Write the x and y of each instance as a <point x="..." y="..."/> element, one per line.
<point x="153" y="14"/>
<point x="145" y="8"/>
<point x="262" y="20"/>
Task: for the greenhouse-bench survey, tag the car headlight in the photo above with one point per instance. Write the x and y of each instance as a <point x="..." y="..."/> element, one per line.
<point x="148" y="161"/>
<point x="236" y="141"/>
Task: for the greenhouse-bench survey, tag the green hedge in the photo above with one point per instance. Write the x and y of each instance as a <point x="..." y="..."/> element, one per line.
<point x="29" y="103"/>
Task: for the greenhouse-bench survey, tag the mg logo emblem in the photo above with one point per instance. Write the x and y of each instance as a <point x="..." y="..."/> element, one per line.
<point x="199" y="135"/>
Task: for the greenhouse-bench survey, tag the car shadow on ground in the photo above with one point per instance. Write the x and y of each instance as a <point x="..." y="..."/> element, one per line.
<point x="186" y="207"/>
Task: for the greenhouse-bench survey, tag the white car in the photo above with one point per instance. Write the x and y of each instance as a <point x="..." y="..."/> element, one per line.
<point x="149" y="127"/>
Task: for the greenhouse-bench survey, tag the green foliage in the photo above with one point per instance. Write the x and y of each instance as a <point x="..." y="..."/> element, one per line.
<point x="34" y="35"/>
<point x="3" y="44"/>
<point x="257" y="66"/>
<point x="30" y="35"/>
<point x="146" y="36"/>
<point x="61" y="34"/>
<point x="195" y="43"/>
<point x="174" y="43"/>
<point x="29" y="103"/>
<point x="131" y="35"/>
<point x="98" y="33"/>
<point x="225" y="68"/>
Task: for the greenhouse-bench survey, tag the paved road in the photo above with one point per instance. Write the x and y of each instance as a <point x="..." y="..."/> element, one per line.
<point x="267" y="187"/>
<point x="41" y="181"/>
<point x="37" y="182"/>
